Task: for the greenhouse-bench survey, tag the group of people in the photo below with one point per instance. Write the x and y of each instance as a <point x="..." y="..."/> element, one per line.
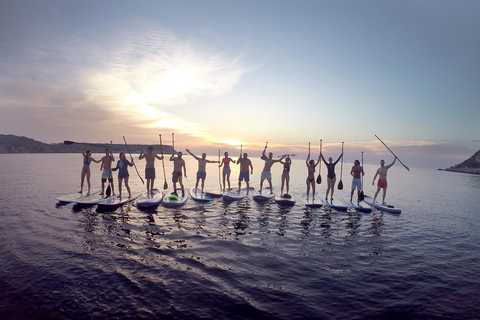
<point x="246" y="169"/>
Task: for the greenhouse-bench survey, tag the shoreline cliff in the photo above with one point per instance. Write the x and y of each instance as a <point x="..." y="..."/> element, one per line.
<point x="471" y="165"/>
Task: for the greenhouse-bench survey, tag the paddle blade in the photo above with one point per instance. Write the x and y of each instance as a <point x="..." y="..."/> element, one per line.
<point x="165" y="185"/>
<point x="108" y="192"/>
<point x="68" y="142"/>
<point x="319" y="179"/>
<point x="361" y="196"/>
<point x="340" y="185"/>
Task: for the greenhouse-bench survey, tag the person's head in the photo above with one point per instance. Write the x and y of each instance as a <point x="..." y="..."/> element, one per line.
<point x="245" y="155"/>
<point x="356" y="162"/>
<point x="270" y="155"/>
<point x="287" y="159"/>
<point x="330" y="159"/>
<point x="179" y="154"/>
<point x="107" y="151"/>
<point x="150" y="149"/>
<point x="382" y="162"/>
<point x="204" y="155"/>
<point x="226" y="154"/>
<point x="312" y="162"/>
<point x="88" y="153"/>
<point x="122" y="156"/>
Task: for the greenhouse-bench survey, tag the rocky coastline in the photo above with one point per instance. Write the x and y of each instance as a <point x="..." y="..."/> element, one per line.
<point x="471" y="165"/>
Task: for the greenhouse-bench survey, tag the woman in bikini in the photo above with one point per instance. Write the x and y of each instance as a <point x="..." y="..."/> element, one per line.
<point x="311" y="165"/>
<point x="331" y="177"/>
<point x="122" y="167"/>
<point x="286" y="175"/>
<point x="87" y="159"/>
<point x="226" y="169"/>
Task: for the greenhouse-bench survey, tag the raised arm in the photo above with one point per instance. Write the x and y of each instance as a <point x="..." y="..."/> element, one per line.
<point x="391" y="164"/>
<point x="308" y="158"/>
<point x="324" y="161"/>
<point x="197" y="158"/>
<point x="341" y="155"/>
<point x="158" y="157"/>
<point x="141" y="156"/>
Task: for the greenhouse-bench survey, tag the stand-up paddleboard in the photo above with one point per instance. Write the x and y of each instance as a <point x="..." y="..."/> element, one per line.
<point x="200" y="196"/>
<point x="175" y="199"/>
<point x="213" y="194"/>
<point x="235" y="195"/>
<point x="312" y="203"/>
<point x="149" y="200"/>
<point x="72" y="197"/>
<point x="118" y="200"/>
<point x="336" y="205"/>
<point x="357" y="205"/>
<point x="91" y="199"/>
<point x="380" y="206"/>
<point x="285" y="200"/>
<point x="266" y="194"/>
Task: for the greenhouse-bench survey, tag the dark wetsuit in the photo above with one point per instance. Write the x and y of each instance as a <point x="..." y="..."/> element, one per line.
<point x="330" y="167"/>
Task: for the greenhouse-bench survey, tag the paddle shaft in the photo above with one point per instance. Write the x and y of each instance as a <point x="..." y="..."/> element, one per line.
<point x="126" y="145"/>
<point x="165" y="186"/>
<point x="392" y="153"/>
<point x="219" y="181"/>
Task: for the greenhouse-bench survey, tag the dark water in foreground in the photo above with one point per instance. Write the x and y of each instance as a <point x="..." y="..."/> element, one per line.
<point x="240" y="260"/>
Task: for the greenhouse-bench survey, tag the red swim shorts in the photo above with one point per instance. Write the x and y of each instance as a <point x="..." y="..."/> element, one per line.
<point x="382" y="183"/>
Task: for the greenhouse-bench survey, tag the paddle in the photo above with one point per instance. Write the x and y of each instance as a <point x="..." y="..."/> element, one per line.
<point x="165" y="184"/>
<point x="319" y="178"/>
<point x="340" y="184"/>
<point x="126" y="145"/>
<point x="361" y="196"/>
<point x="173" y="143"/>
<point x="392" y="153"/>
<point x="219" y="181"/>
<point x="68" y="142"/>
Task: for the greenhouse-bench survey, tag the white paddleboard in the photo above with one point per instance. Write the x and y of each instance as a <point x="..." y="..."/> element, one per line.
<point x="285" y="200"/>
<point x="92" y="199"/>
<point x="149" y="200"/>
<point x="265" y="195"/>
<point x="378" y="205"/>
<point x="235" y="195"/>
<point x="357" y="205"/>
<point x="72" y="197"/>
<point x="311" y="203"/>
<point x="119" y="201"/>
<point x="171" y="200"/>
<point x="200" y="196"/>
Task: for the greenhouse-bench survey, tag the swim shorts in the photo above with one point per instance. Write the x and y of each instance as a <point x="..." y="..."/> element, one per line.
<point x="107" y="174"/>
<point x="227" y="170"/>
<point x="382" y="183"/>
<point x="244" y="176"/>
<point x="266" y="175"/>
<point x="201" y="174"/>
<point x="357" y="183"/>
<point x="176" y="175"/>
<point x="149" y="173"/>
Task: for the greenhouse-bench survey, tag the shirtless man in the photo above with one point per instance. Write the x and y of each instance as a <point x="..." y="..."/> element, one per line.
<point x="357" y="173"/>
<point x="226" y="169"/>
<point x="178" y="163"/>
<point x="106" y="168"/>
<point x="266" y="174"/>
<point x="202" y="162"/>
<point x="149" y="167"/>
<point x="382" y="179"/>
<point x="245" y="164"/>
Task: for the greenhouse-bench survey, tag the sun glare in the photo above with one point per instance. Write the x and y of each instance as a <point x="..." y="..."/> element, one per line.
<point x="233" y="143"/>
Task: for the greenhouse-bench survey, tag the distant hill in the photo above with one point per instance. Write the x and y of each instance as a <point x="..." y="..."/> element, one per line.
<point x="471" y="165"/>
<point x="14" y="144"/>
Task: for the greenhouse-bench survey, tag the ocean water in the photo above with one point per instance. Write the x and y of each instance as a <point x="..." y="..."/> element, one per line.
<point x="237" y="260"/>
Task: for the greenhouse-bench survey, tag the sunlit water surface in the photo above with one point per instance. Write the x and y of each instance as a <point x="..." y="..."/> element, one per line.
<point x="236" y="260"/>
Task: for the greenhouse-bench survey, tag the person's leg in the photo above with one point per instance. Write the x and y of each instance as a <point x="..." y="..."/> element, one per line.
<point x="261" y="186"/>
<point x="224" y="176"/>
<point x="120" y="182"/>
<point x="270" y="184"/>
<point x="376" y="193"/>
<point x="82" y="178"/>
<point x="288" y="183"/>
<point x="203" y="183"/>
<point x="127" y="186"/>
<point x="308" y="187"/>
<point x="332" y="188"/>
<point x="228" y="180"/>
<point x="384" y="194"/>
<point x="88" y="181"/>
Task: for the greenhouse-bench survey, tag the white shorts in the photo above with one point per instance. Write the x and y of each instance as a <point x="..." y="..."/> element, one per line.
<point x="357" y="183"/>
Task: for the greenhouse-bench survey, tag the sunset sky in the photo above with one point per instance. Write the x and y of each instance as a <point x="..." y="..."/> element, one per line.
<point x="224" y="73"/>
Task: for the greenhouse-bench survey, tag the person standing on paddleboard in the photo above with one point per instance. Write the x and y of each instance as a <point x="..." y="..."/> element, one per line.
<point x="87" y="159"/>
<point x="245" y="164"/>
<point x="106" y="169"/>
<point x="150" y="167"/>
<point x="286" y="175"/>
<point x="202" y="164"/>
<point x="357" y="173"/>
<point x="331" y="177"/>
<point x="266" y="173"/>
<point x="122" y="167"/>
<point x="311" y="165"/>
<point x="382" y="179"/>
<point x="226" y="169"/>
<point x="178" y="164"/>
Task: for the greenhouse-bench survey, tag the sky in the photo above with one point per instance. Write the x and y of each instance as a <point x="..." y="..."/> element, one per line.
<point x="220" y="74"/>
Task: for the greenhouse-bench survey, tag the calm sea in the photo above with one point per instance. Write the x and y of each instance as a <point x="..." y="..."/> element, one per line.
<point x="236" y="260"/>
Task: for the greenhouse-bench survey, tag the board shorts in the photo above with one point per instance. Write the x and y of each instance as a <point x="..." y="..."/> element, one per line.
<point x="176" y="175"/>
<point x="201" y="174"/>
<point x="244" y="176"/>
<point x="227" y="170"/>
<point x="149" y="173"/>
<point x="382" y="183"/>
<point x="285" y="175"/>
<point x="357" y="183"/>
<point x="107" y="174"/>
<point x="266" y="175"/>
